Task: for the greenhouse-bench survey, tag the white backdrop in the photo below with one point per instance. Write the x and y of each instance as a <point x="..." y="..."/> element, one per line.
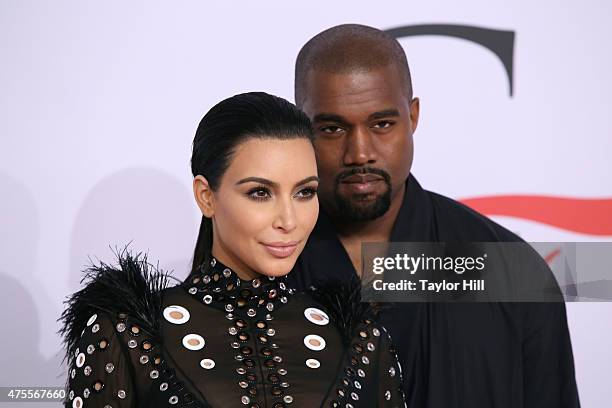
<point x="99" y="103"/>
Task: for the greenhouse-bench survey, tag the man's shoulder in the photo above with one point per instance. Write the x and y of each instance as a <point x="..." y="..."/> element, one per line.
<point x="456" y="221"/>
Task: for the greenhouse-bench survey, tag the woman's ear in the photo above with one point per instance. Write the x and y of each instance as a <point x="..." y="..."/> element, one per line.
<point x="204" y="196"/>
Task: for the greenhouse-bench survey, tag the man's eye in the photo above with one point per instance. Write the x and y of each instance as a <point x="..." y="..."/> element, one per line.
<point x="259" y="193"/>
<point x="331" y="129"/>
<point x="384" y="124"/>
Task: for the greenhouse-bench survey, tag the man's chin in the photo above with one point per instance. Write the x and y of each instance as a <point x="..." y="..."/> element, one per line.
<point x="363" y="207"/>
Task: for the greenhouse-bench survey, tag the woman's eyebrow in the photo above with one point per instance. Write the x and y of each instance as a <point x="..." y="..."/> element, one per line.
<point x="271" y="183"/>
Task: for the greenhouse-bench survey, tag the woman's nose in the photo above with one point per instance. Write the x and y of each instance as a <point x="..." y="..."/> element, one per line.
<point x="285" y="218"/>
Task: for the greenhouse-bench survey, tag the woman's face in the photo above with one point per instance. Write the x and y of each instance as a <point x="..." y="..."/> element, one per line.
<point x="265" y="207"/>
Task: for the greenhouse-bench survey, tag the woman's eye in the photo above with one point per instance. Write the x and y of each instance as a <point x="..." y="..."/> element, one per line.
<point x="307" y="193"/>
<point x="259" y="193"/>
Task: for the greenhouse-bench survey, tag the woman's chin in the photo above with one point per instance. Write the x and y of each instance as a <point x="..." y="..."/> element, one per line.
<point x="278" y="267"/>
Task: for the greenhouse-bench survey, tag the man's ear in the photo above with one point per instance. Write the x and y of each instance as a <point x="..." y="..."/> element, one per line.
<point x="204" y="196"/>
<point x="415" y="110"/>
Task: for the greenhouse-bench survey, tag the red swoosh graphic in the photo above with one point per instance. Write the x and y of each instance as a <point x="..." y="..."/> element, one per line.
<point x="551" y="257"/>
<point x="587" y="216"/>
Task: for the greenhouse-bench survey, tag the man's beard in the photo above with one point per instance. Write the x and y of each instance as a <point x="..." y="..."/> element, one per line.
<point x="350" y="209"/>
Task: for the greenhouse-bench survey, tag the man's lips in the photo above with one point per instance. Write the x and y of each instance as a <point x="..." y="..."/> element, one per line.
<point x="361" y="178"/>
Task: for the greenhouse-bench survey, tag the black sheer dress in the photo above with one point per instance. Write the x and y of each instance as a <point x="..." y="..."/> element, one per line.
<point x="218" y="341"/>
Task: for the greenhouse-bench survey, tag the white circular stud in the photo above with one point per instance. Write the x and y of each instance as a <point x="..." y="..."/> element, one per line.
<point x="207" y="363"/>
<point x="80" y="360"/>
<point x="313" y="363"/>
<point x="176" y="314"/>
<point x="316" y="316"/>
<point x="193" y="342"/>
<point x="92" y="319"/>
<point x="314" y="342"/>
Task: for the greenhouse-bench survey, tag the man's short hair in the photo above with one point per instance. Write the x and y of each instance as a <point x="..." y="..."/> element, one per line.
<point x="346" y="48"/>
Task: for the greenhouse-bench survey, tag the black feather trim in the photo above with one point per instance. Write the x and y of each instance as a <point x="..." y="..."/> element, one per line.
<point x="343" y="302"/>
<point x="133" y="287"/>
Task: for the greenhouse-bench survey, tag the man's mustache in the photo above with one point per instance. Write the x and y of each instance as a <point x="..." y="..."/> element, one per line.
<point x="363" y="170"/>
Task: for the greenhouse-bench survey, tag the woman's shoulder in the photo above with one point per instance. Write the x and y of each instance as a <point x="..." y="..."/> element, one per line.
<point x="131" y="289"/>
<point x="111" y="330"/>
<point x="371" y="372"/>
<point x="343" y="305"/>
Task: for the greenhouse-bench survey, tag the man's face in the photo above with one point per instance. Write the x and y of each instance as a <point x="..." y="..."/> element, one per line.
<point x="363" y="124"/>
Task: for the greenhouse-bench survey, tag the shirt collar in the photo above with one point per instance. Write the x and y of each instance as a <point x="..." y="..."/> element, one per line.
<point x="218" y="285"/>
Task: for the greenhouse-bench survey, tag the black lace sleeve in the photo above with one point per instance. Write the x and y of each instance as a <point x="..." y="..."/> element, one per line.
<point x="100" y="372"/>
<point x="111" y="332"/>
<point x="390" y="392"/>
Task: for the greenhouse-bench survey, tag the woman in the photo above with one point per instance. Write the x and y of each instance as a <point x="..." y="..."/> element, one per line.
<point x="233" y="333"/>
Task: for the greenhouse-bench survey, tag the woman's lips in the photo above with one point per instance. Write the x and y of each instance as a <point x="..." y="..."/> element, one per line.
<point x="280" y="249"/>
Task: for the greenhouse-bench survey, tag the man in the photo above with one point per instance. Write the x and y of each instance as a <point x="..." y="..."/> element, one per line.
<point x="354" y="83"/>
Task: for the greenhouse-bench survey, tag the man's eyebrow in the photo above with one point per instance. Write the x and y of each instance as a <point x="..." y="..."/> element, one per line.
<point x="271" y="183"/>
<point x="332" y="117"/>
<point x="384" y="114"/>
<point x="329" y="117"/>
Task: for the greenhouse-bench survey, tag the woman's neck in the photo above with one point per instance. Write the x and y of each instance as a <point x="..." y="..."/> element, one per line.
<point x="243" y="271"/>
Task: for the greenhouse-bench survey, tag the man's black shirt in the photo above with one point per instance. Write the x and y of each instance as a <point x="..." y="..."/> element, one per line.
<point x="459" y="355"/>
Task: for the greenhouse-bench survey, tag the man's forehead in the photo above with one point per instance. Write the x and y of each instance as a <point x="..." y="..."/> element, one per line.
<point x="355" y="92"/>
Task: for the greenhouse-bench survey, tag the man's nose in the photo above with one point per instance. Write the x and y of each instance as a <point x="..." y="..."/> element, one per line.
<point x="359" y="148"/>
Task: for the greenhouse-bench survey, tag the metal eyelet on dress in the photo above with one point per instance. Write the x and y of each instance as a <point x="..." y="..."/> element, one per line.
<point x="102" y="344"/>
<point x="98" y="386"/>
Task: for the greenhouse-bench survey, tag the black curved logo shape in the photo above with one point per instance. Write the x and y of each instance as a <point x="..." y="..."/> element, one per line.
<point x="500" y="42"/>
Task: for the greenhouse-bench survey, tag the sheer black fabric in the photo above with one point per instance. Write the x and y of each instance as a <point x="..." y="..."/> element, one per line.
<point x="459" y="355"/>
<point x="219" y="341"/>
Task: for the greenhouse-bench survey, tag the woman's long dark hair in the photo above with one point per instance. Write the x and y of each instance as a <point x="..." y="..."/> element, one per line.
<point x="228" y="124"/>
